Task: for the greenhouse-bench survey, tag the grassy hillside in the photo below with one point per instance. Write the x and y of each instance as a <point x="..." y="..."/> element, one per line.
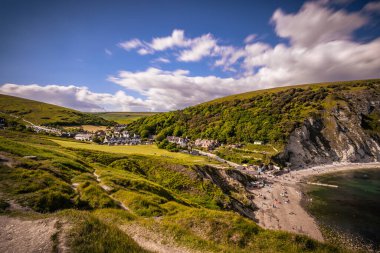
<point x="45" y="114"/>
<point x="103" y="200"/>
<point x="265" y="115"/>
<point x="123" y="117"/>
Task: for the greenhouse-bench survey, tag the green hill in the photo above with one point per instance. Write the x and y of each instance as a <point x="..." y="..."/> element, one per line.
<point x="40" y="113"/>
<point x="321" y="123"/>
<point x="265" y="115"/>
<point x="123" y="117"/>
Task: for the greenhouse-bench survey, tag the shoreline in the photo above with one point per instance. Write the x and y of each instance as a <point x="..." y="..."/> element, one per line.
<point x="280" y="201"/>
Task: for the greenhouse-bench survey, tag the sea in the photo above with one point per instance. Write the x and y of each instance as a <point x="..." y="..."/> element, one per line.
<point x="350" y="213"/>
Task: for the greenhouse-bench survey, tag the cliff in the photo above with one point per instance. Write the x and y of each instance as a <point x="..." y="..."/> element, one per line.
<point x="347" y="131"/>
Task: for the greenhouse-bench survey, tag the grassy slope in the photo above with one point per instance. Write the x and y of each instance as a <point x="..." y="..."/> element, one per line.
<point x="46" y="114"/>
<point x="149" y="150"/>
<point x="123" y="117"/>
<point x="150" y="186"/>
<point x="267" y="115"/>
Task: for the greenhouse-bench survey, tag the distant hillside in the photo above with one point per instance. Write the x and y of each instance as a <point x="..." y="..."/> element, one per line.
<point x="274" y="115"/>
<point x="46" y="114"/>
<point x="124" y="117"/>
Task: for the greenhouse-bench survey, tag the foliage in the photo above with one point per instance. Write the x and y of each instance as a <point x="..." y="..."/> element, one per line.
<point x="94" y="196"/>
<point x="123" y="117"/>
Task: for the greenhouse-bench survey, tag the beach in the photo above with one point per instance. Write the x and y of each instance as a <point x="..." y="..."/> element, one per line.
<point x="279" y="201"/>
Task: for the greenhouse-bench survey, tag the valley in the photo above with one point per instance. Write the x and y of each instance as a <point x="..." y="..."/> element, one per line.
<point x="184" y="181"/>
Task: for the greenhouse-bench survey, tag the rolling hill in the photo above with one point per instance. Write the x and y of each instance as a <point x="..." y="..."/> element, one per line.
<point x="41" y="113"/>
<point x="123" y="117"/>
<point x="312" y="115"/>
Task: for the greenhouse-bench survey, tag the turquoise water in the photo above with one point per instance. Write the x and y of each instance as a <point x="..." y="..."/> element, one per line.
<point x="352" y="210"/>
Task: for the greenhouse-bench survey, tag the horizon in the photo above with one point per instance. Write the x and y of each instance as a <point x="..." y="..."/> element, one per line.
<point x="96" y="56"/>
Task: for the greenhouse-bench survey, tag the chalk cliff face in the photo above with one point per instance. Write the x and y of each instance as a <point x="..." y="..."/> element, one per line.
<point x="347" y="131"/>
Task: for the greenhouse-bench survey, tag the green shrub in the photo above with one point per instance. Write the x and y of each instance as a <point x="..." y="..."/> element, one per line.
<point x="94" y="196"/>
<point x="3" y="205"/>
<point x="50" y="201"/>
<point x="89" y="234"/>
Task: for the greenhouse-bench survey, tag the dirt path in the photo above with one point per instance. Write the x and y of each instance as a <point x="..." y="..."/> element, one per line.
<point x="6" y="160"/>
<point x="108" y="189"/>
<point x="19" y="235"/>
<point x="153" y="241"/>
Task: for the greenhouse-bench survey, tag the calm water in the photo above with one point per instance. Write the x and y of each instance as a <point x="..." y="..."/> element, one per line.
<point x="353" y="209"/>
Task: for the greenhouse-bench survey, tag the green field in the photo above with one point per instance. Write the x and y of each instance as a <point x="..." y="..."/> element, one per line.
<point x="152" y="150"/>
<point x="123" y="117"/>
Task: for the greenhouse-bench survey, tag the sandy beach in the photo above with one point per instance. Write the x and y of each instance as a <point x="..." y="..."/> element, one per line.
<point x="279" y="202"/>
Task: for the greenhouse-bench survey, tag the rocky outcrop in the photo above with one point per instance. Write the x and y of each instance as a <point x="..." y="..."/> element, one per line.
<point x="233" y="183"/>
<point x="339" y="134"/>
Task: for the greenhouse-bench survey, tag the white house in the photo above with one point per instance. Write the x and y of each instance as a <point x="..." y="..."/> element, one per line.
<point x="83" y="137"/>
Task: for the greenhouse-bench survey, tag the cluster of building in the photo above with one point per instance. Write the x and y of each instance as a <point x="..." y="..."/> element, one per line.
<point x="117" y="136"/>
<point x="123" y="139"/>
<point x="182" y="142"/>
<point x="201" y="143"/>
<point x="49" y="130"/>
<point x="206" y="144"/>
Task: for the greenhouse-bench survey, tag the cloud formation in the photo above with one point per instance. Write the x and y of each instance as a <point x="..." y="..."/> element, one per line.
<point x="315" y="24"/>
<point x="191" y="50"/>
<point x="80" y="98"/>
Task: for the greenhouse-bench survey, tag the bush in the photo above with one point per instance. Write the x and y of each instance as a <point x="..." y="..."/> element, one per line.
<point x="3" y="205"/>
<point x="50" y="201"/>
<point x="89" y="234"/>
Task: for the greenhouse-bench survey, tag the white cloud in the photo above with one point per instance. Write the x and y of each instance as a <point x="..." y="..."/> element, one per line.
<point x="79" y="98"/>
<point x="250" y="38"/>
<point x="170" y="90"/>
<point x="162" y="60"/>
<point x="189" y="49"/>
<point x="316" y="23"/>
<point x="200" y="47"/>
<point x="372" y="7"/>
<point x="107" y="51"/>
<point x="177" y="39"/>
<point x="131" y="44"/>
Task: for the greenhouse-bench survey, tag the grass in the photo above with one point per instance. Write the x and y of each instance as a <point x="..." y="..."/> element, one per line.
<point x="278" y="89"/>
<point x="123" y="117"/>
<point x="94" y="196"/>
<point x="89" y="128"/>
<point x="150" y="150"/>
<point x="90" y="234"/>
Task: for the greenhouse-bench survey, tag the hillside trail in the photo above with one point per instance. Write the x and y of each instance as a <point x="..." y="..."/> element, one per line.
<point x="153" y="241"/>
<point x="147" y="239"/>
<point x="108" y="189"/>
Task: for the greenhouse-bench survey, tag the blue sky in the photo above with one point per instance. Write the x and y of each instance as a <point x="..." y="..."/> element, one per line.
<point x="166" y="55"/>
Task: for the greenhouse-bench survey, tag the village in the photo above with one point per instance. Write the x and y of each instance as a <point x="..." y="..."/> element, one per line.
<point x="118" y="136"/>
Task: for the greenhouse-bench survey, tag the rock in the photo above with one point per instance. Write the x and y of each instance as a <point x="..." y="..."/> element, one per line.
<point x="336" y="136"/>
